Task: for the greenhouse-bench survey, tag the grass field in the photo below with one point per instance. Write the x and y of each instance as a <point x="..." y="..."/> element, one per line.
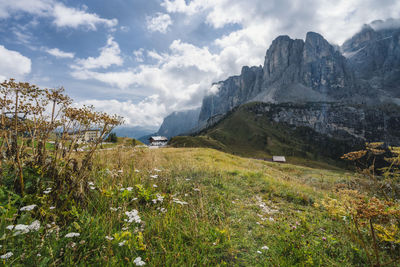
<point x="195" y="206"/>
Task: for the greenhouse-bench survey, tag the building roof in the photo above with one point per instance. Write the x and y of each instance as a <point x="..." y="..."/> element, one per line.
<point x="278" y="158"/>
<point x="158" y="138"/>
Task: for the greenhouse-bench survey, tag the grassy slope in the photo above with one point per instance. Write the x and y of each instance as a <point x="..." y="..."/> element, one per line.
<point x="235" y="206"/>
<point x="247" y="134"/>
<point x="224" y="222"/>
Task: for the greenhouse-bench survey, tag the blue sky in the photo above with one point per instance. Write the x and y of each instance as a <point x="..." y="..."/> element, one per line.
<point x="143" y="59"/>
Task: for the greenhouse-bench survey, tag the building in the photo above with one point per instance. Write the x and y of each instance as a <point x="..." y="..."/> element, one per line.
<point x="280" y="159"/>
<point x="158" y="140"/>
<point x="86" y="136"/>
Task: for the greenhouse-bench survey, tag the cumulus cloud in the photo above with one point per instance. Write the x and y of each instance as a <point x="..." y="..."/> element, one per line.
<point x="62" y="15"/>
<point x="147" y="113"/>
<point x="139" y="57"/>
<point x="160" y="22"/>
<point x="109" y="55"/>
<point x="60" y="54"/>
<point x="13" y="64"/>
<point x="70" y="17"/>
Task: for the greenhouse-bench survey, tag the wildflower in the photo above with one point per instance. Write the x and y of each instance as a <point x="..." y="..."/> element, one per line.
<point x="294" y="227"/>
<point x="115" y="209"/>
<point x="109" y="238"/>
<point x="155" y="186"/>
<point x="72" y="234"/>
<point x="157" y="170"/>
<point x="137" y="170"/>
<point x="196" y="189"/>
<point x="92" y="188"/>
<point x="324" y="238"/>
<point x="38" y="255"/>
<point x="187" y="179"/>
<point x="52" y="207"/>
<point x="133" y="199"/>
<point x="159" y="198"/>
<point x="163" y="210"/>
<point x="28" y="208"/>
<point x="130" y="188"/>
<point x="35" y="226"/>
<point x="138" y="261"/>
<point x="82" y="242"/>
<point x="155" y="176"/>
<point x="297" y="223"/>
<point x="124" y="228"/>
<point x="259" y="252"/>
<point x="175" y="200"/>
<point x="271" y="219"/>
<point x="120" y="171"/>
<point x="214" y="244"/>
<point x="47" y="191"/>
<point x="24" y="228"/>
<point x="265" y="248"/>
<point x="133" y="216"/>
<point x="122" y="243"/>
<point x="91" y="183"/>
<point x="6" y="256"/>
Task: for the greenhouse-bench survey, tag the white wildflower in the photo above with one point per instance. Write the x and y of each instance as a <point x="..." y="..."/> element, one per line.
<point x="271" y="219"/>
<point x="159" y="198"/>
<point x="125" y="228"/>
<point x="10" y="227"/>
<point x="122" y="243"/>
<point x="109" y="238"/>
<point x="156" y="170"/>
<point x="91" y="183"/>
<point x="115" y="209"/>
<point x="92" y="188"/>
<point x="163" y="210"/>
<point x="138" y="261"/>
<point x="137" y="170"/>
<point x="47" y="191"/>
<point x="155" y="186"/>
<point x="133" y="199"/>
<point x="120" y="171"/>
<point x="133" y="216"/>
<point x="259" y="252"/>
<point x="196" y="189"/>
<point x="72" y="234"/>
<point x="34" y="226"/>
<point x="6" y="256"/>
<point x="175" y="200"/>
<point x="38" y="255"/>
<point x="52" y="207"/>
<point x="265" y="248"/>
<point x="155" y="176"/>
<point x="130" y="188"/>
<point x="187" y="179"/>
<point x="28" y="208"/>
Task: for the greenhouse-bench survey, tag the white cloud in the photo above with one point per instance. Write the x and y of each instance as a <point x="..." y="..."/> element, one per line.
<point x="13" y="64"/>
<point x="62" y="15"/>
<point x="147" y="113"/>
<point x="139" y="57"/>
<point x="160" y="22"/>
<point x="60" y="54"/>
<point x="109" y="55"/>
<point x="70" y="17"/>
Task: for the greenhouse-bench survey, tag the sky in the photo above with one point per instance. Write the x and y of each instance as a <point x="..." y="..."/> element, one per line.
<point x="143" y="59"/>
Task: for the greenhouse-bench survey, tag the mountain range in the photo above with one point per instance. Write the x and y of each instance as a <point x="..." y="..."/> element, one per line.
<point x="347" y="92"/>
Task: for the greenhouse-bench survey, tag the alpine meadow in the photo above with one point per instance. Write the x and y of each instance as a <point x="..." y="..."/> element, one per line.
<point x="199" y="133"/>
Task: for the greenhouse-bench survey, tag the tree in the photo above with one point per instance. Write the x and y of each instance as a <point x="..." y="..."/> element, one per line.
<point x="112" y="137"/>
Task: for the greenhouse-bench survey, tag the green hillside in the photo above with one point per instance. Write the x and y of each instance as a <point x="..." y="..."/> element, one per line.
<point x="246" y="133"/>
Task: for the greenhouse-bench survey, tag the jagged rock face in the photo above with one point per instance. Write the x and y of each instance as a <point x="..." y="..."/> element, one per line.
<point x="179" y="123"/>
<point x="374" y="56"/>
<point x="232" y="92"/>
<point x="340" y="121"/>
<point x="315" y="71"/>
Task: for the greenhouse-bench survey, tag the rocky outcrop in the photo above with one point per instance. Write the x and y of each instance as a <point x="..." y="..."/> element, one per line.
<point x="179" y="123"/>
<point x="374" y="56"/>
<point x="340" y="121"/>
<point x="365" y="70"/>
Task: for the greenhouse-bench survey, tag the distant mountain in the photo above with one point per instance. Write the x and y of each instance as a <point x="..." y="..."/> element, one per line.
<point x="365" y="70"/>
<point x="132" y="131"/>
<point x="179" y="122"/>
<point x="176" y="123"/>
<point x="300" y="131"/>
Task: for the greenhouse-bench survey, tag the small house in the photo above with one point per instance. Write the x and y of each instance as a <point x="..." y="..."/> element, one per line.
<point x="85" y="136"/>
<point x="280" y="159"/>
<point x="158" y="140"/>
